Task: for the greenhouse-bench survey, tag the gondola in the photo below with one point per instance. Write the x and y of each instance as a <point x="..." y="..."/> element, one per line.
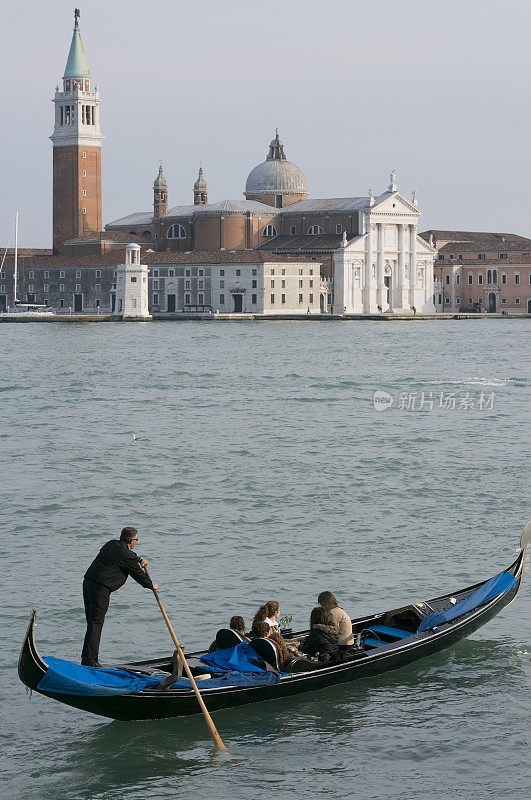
<point x="386" y="641"/>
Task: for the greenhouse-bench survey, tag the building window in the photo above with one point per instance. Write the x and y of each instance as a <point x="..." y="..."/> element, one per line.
<point x="447" y="279"/>
<point x="61" y="303"/>
<point x="480" y="278"/>
<point x="300" y="298"/>
<point x="222" y="299"/>
<point x="440" y="257"/>
<point x="84" y="211"/>
<point x="282" y="298"/>
<point x="238" y="273"/>
<point x="255" y="272"/>
<point x="293" y="230"/>
<point x="200" y="298"/>
<point x="283" y="283"/>
<point x="530" y="278"/>
<point x="457" y="300"/>
<point x="470" y="279"/>
<point x="315" y="230"/>
<point x="272" y="298"/>
<point x="78" y="287"/>
<point x="2" y="288"/>
<point x="300" y="284"/>
<point x="98" y="273"/>
<point x="272" y="284"/>
<point x="97" y="287"/>
<point x="155" y="299"/>
<point x="460" y="257"/>
<point x="311" y="298"/>
<point x="176" y="232"/>
<point x="451" y="256"/>
<point x="84" y="155"/>
<point x="222" y="284"/>
<point x="200" y="284"/>
<point x="504" y="299"/>
<point x="470" y="300"/>
<point x="339" y="228"/>
<point x="46" y="273"/>
<point x="311" y="270"/>
<point x="481" y="256"/>
<point x="201" y="272"/>
<point x="84" y="173"/>
<point x="31" y="274"/>
<point x="517" y="278"/>
<point x="222" y="272"/>
<point x="133" y="280"/>
<point x="269" y="230"/>
<point x="517" y="301"/>
<point x="503" y="255"/>
<point x="84" y="192"/>
<point x="253" y="284"/>
<point x="504" y="278"/>
<point x="187" y="272"/>
<point x="300" y="272"/>
<point x="171" y="273"/>
<point x="272" y="271"/>
<point x="188" y="284"/>
<point x="78" y="273"/>
<point x="253" y="299"/>
<point x="278" y="200"/>
<point x="97" y="302"/>
<point x="61" y="287"/>
<point x="458" y="279"/>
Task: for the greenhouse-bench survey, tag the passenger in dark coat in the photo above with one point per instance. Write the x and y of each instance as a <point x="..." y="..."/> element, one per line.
<point x="322" y="640"/>
<point x="107" y="573"/>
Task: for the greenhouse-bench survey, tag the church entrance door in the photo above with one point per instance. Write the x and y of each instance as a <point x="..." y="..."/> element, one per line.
<point x="492" y="303"/>
<point x="238" y="303"/>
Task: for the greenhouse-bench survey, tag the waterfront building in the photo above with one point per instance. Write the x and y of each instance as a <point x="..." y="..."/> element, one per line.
<point x="478" y="271"/>
<point x="358" y="254"/>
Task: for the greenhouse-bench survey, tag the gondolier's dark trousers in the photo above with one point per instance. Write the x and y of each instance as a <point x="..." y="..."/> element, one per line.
<point x="96" y="598"/>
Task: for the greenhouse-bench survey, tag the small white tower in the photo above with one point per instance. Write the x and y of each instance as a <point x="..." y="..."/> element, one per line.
<point x="132" y="286"/>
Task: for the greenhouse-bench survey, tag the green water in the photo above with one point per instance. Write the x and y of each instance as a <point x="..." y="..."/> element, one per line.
<point x="266" y="472"/>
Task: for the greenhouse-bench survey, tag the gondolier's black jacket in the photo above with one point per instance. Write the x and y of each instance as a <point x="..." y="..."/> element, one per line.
<point x="113" y="564"/>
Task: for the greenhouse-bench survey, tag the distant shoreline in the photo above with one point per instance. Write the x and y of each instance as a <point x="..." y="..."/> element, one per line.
<point x="181" y="317"/>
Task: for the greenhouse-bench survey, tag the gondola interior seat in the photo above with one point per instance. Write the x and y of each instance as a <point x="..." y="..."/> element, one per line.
<point x="267" y="650"/>
<point x="226" y="638"/>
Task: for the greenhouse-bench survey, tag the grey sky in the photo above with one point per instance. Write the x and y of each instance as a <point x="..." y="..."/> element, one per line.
<point x="437" y="91"/>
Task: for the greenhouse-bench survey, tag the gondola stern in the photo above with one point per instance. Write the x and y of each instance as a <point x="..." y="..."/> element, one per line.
<point x="31" y="666"/>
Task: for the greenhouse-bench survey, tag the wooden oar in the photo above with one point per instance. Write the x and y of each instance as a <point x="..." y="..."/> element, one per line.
<point x="208" y="719"/>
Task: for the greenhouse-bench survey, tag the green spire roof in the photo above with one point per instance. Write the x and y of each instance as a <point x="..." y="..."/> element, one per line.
<point x="76" y="65"/>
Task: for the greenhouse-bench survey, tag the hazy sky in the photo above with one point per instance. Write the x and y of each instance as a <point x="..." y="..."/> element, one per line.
<point x="438" y="91"/>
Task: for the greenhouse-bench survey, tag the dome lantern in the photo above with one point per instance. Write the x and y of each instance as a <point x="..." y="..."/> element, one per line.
<point x="276" y="182"/>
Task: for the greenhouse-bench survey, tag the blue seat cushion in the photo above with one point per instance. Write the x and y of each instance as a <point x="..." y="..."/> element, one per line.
<point x="394" y="633"/>
<point x="370" y="642"/>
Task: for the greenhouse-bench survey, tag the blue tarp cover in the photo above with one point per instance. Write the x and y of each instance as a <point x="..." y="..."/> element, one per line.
<point x="65" y="677"/>
<point x="242" y="657"/>
<point x="491" y="589"/>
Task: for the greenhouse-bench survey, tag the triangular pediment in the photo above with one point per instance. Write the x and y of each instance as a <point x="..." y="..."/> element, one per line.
<point x="394" y="203"/>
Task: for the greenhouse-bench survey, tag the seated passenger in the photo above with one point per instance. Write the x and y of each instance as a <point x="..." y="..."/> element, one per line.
<point x="340" y="619"/>
<point x="237" y="624"/>
<point x="262" y="630"/>
<point x="322" y="641"/>
<point x="269" y="613"/>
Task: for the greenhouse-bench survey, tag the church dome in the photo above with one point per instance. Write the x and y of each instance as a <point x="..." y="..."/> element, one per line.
<point x="276" y="175"/>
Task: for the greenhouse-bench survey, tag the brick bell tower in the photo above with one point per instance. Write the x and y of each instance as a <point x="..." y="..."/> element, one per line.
<point x="76" y="149"/>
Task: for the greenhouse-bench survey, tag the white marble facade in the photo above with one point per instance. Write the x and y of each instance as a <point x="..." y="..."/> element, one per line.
<point x="388" y="267"/>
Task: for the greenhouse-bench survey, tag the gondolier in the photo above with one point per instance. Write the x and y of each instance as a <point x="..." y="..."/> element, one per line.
<point x="107" y="573"/>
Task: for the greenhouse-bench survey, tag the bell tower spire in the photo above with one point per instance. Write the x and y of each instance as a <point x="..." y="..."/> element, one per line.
<point x="76" y="149"/>
<point x="200" y="189"/>
<point x="160" y="194"/>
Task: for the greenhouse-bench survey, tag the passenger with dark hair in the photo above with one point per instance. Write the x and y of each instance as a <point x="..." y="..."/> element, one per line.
<point x="340" y="619"/>
<point x="107" y="573"/>
<point x="322" y="640"/>
<point x="260" y="630"/>
<point x="269" y="613"/>
<point x="237" y="624"/>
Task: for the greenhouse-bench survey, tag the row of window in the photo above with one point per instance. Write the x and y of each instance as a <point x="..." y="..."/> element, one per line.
<point x="301" y="272"/>
<point x="480" y="256"/>
<point x="492" y="277"/>
<point x="178" y="232"/>
<point x="301" y="298"/>
<point x="479" y="300"/>
<point x="283" y="283"/>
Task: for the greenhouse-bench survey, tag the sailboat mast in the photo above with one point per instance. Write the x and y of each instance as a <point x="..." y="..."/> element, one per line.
<point x="16" y="260"/>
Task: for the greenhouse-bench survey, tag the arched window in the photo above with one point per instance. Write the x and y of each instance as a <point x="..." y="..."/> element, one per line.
<point x="315" y="230"/>
<point x="489" y="276"/>
<point x="269" y="230"/>
<point x="495" y="276"/>
<point x="176" y="232"/>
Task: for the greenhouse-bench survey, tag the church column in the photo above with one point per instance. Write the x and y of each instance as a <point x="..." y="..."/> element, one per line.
<point x="367" y="272"/>
<point x="380" y="264"/>
<point x="412" y="263"/>
<point x="401" y="291"/>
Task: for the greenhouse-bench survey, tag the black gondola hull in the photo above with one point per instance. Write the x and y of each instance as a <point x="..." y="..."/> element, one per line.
<point x="156" y="704"/>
